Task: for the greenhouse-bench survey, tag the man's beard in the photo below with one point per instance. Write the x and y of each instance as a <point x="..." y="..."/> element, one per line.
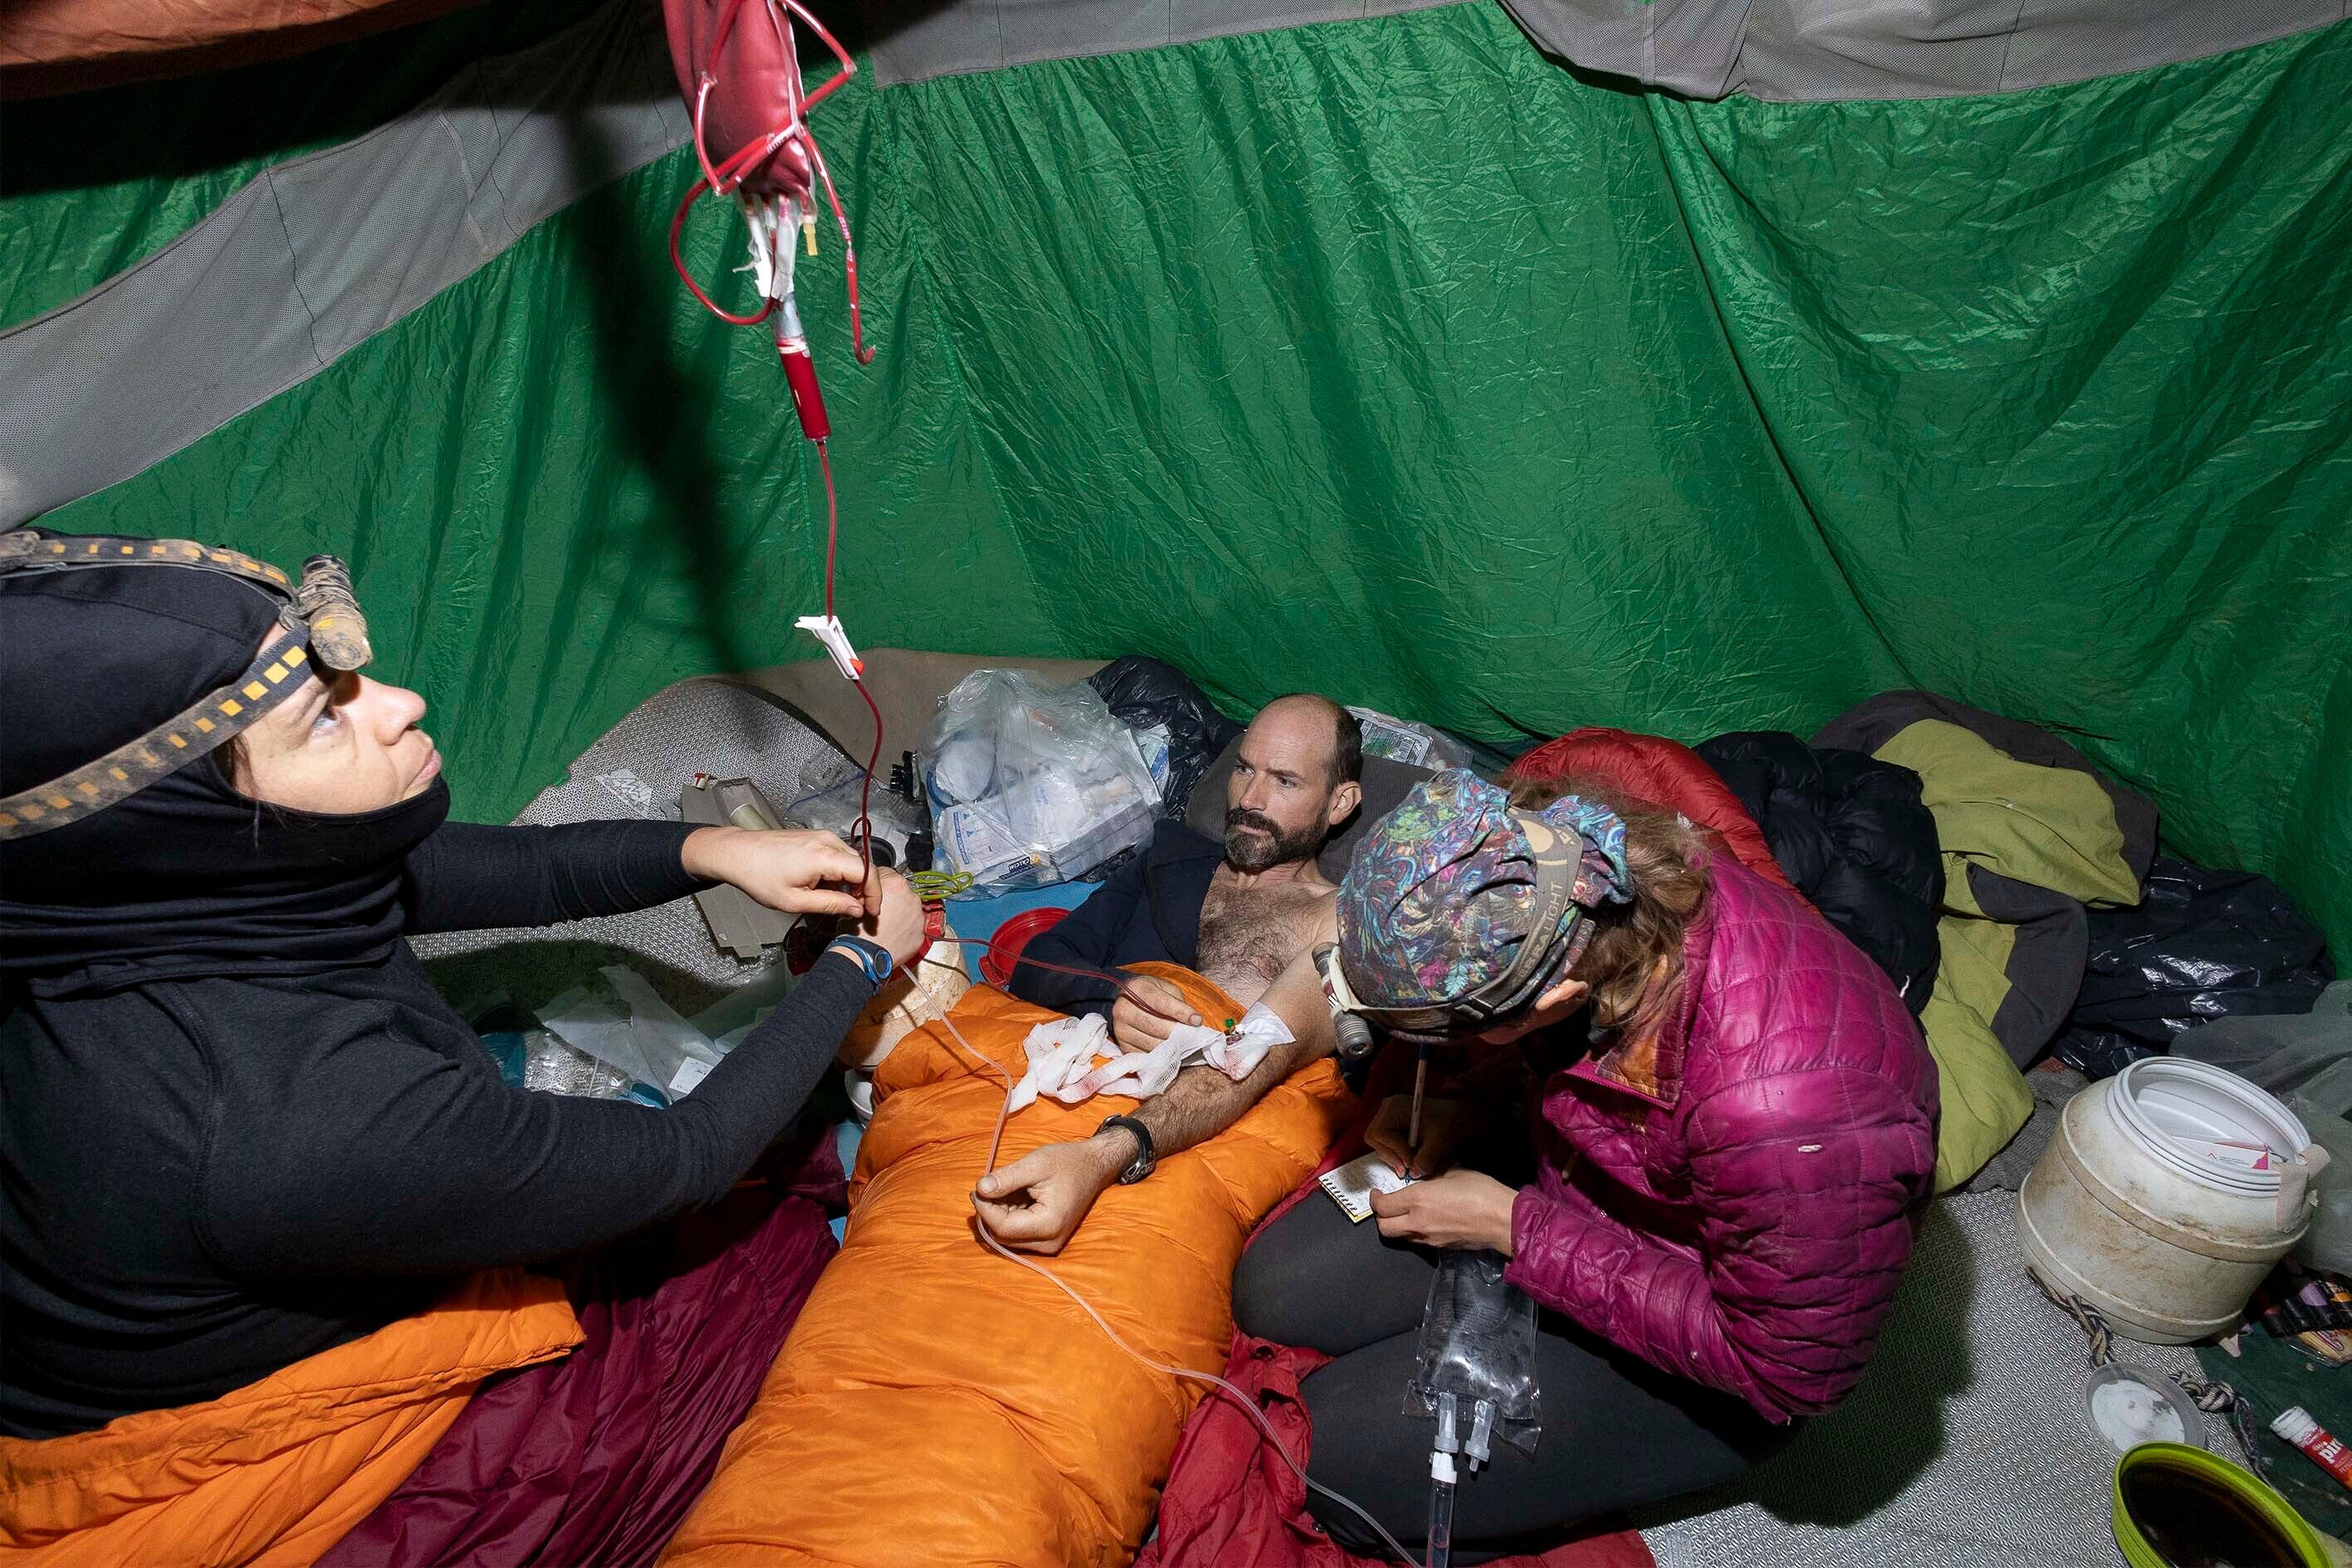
<point x="1268" y="846"/>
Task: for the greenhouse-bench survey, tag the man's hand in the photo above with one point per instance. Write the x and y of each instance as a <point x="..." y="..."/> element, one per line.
<point x="1036" y="1203"/>
<point x="1146" y="1010"/>
<point x="787" y="871"/>
<point x="1460" y="1208"/>
<point x="1442" y="1124"/>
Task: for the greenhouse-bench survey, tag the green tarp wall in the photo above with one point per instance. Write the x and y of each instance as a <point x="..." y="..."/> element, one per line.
<point x="1383" y="357"/>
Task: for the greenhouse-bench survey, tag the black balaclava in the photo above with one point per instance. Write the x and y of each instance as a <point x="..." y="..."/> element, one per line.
<point x="186" y="878"/>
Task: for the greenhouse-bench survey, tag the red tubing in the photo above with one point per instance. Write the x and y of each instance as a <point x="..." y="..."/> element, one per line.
<point x="677" y="225"/>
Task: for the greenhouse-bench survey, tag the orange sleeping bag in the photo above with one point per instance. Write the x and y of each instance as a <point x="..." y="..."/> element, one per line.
<point x="938" y="1405"/>
<point x="275" y="1473"/>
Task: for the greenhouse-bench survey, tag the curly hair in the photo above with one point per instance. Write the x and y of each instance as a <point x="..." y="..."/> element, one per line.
<point x="1634" y="961"/>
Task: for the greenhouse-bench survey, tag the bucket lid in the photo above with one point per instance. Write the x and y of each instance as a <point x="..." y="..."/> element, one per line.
<point x="2126" y="1408"/>
<point x="1005" y="948"/>
<point x="2209" y="1124"/>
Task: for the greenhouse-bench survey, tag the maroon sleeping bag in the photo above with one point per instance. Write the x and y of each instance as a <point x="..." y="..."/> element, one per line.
<point x="595" y="1459"/>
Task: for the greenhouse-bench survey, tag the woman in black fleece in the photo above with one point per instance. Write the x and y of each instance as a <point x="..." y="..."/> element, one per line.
<point x="237" y="1126"/>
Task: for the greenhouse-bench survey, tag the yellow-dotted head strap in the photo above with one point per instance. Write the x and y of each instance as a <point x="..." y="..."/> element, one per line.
<point x="321" y="617"/>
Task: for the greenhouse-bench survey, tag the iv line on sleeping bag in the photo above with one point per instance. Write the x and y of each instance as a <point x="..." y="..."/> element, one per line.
<point x="742" y="83"/>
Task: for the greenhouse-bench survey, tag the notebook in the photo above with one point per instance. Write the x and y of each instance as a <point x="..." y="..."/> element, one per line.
<point x="1351" y="1186"/>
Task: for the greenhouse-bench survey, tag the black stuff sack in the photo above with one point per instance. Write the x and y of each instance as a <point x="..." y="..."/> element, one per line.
<point x="2203" y="944"/>
<point x="1143" y="692"/>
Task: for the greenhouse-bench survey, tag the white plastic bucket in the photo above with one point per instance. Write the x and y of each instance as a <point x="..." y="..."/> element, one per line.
<point x="2168" y="1193"/>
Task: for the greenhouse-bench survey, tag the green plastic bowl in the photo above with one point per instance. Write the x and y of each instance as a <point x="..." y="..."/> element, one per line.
<point x="2211" y="1473"/>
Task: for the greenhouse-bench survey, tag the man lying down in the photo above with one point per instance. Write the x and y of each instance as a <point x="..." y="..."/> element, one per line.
<point x="1239" y="914"/>
<point x="1698" y="1123"/>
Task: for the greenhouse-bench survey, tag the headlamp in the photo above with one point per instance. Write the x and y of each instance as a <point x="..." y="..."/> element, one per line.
<point x="319" y="621"/>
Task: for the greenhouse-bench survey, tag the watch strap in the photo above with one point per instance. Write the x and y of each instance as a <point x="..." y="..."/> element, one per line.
<point x="870" y="956"/>
<point x="1145" y="1161"/>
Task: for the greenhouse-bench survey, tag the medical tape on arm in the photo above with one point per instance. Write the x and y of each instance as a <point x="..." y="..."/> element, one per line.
<point x="1238" y="1054"/>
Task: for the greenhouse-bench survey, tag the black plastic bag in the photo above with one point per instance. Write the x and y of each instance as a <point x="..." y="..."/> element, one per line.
<point x="2203" y="944"/>
<point x="1143" y="692"/>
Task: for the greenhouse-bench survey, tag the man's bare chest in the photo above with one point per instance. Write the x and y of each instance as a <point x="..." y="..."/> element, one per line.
<point x="1249" y="937"/>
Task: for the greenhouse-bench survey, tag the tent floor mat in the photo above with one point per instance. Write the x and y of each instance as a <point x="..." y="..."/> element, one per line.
<point x="1965" y="1447"/>
<point x="726" y="727"/>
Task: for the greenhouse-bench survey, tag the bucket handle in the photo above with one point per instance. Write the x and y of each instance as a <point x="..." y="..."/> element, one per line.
<point x="2296" y="1180"/>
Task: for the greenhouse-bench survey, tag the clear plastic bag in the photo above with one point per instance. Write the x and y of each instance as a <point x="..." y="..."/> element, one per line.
<point x="1402" y="740"/>
<point x="534" y="1059"/>
<point x="617" y="1019"/>
<point x="1477" y="1355"/>
<point x="896" y="819"/>
<point x="1029" y="784"/>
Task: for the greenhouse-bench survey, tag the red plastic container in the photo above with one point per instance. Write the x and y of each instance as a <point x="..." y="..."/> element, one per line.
<point x="1004" y="948"/>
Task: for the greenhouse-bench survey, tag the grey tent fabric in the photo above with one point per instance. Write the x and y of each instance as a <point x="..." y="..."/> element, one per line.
<point x="316" y="255"/>
<point x="1793" y="50"/>
<point x="915" y="41"/>
<point x="1820" y="50"/>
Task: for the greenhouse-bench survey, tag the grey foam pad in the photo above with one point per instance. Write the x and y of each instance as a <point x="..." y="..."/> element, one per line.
<point x="1964" y="1447"/>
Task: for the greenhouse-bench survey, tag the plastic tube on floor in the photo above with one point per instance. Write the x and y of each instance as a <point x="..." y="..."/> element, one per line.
<point x="1440" y="1538"/>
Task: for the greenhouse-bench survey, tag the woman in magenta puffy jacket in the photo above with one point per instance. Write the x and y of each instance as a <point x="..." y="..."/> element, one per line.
<point x="1699" y="1124"/>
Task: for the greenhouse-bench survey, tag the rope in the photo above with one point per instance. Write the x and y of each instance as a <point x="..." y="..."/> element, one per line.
<point x="2211" y="1396"/>
<point x="2087" y="1318"/>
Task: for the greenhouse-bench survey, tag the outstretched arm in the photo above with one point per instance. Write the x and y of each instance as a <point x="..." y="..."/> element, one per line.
<point x="473" y="877"/>
<point x="1037" y="1203"/>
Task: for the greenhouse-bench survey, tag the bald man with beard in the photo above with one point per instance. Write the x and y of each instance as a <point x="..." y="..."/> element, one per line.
<point x="1237" y="912"/>
<point x="1240" y="913"/>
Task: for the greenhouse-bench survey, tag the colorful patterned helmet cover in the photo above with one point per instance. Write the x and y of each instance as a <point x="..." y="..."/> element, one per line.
<point x="1437" y="900"/>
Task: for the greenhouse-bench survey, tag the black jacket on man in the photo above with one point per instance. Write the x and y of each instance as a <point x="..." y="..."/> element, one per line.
<point x="1148" y="912"/>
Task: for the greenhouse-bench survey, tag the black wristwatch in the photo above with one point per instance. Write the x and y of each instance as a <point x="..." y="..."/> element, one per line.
<point x="1144" y="1163"/>
<point x="870" y="956"/>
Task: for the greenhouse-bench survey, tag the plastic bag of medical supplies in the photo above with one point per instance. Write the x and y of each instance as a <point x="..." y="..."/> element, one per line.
<point x="615" y="1019"/>
<point x="1031" y="784"/>
<point x="1404" y="741"/>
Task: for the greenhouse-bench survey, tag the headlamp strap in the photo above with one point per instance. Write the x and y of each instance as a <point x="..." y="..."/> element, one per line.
<point x="323" y="600"/>
<point x="25" y="551"/>
<point x="275" y="673"/>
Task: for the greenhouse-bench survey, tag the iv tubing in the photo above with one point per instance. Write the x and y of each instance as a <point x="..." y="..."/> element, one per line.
<point x="996" y="1140"/>
<point x="1121" y="980"/>
<point x="1441" y="1519"/>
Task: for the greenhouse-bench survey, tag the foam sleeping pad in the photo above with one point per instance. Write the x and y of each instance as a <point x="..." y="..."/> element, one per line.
<point x="935" y="1404"/>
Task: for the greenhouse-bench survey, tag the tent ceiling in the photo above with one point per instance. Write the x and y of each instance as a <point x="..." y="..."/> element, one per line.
<point x="1779" y="49"/>
<point x="1815" y="50"/>
<point x="67" y="46"/>
<point x="319" y="254"/>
